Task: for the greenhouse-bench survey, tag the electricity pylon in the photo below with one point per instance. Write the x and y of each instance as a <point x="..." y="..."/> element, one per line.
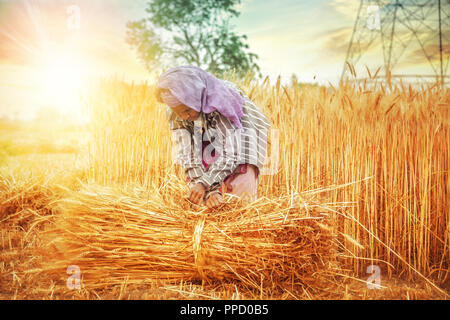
<point x="406" y="33"/>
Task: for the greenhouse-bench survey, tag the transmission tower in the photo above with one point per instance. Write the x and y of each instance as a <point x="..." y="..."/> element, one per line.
<point x="403" y="35"/>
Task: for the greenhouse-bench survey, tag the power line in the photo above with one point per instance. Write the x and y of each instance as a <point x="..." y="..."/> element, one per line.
<point x="391" y="29"/>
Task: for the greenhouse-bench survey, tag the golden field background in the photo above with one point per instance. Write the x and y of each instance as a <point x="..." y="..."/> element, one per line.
<point x="376" y="159"/>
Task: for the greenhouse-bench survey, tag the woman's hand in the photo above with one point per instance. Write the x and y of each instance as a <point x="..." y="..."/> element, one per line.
<point x="196" y="193"/>
<point x="214" y="200"/>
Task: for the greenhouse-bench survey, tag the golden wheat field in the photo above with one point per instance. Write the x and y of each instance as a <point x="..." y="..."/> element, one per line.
<point x="359" y="192"/>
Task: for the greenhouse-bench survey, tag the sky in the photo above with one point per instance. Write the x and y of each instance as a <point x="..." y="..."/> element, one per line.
<point x="44" y="41"/>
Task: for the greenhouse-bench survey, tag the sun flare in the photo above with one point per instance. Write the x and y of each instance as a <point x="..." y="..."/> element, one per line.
<point x="61" y="78"/>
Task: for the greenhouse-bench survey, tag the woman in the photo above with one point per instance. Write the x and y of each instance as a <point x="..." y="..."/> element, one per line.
<point x="221" y="134"/>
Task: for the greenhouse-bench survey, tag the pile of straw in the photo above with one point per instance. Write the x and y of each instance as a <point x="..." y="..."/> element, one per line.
<point x="136" y="235"/>
<point x="22" y="198"/>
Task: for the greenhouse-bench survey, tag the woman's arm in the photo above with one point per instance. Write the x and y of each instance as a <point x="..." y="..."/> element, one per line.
<point x="246" y="145"/>
<point x="256" y="127"/>
<point x="188" y="146"/>
<point x="225" y="141"/>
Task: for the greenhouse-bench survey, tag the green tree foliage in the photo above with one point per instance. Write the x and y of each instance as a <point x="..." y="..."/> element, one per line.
<point x="194" y="32"/>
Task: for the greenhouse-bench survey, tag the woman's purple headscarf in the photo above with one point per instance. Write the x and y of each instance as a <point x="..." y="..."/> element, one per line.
<point x="201" y="91"/>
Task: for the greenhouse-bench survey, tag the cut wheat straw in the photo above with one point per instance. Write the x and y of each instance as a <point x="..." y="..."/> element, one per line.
<point x="138" y="235"/>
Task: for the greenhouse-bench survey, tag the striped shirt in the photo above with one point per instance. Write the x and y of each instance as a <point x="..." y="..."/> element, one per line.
<point x="232" y="146"/>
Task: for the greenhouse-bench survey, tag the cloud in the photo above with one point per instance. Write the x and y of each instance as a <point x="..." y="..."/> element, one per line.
<point x="335" y="40"/>
<point x="347" y="8"/>
<point x="432" y="51"/>
<point x="418" y="56"/>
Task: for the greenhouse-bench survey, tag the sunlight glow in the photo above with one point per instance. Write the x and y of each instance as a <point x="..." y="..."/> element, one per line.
<point x="61" y="76"/>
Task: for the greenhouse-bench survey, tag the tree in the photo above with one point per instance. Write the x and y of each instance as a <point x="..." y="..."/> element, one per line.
<point x="194" y="32"/>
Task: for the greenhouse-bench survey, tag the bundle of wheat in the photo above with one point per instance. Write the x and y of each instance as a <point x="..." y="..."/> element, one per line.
<point x="137" y="235"/>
